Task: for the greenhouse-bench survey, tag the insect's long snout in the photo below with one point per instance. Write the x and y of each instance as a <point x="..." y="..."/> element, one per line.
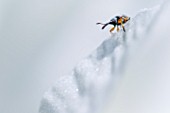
<point x="104" y="25"/>
<point x="99" y="23"/>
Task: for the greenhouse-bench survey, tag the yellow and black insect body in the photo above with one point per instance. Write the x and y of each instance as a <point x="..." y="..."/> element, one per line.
<point x="116" y="22"/>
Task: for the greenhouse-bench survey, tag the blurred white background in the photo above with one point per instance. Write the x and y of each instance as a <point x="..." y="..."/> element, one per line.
<point x="41" y="40"/>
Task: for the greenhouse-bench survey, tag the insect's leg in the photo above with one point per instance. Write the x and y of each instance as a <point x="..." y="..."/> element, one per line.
<point x="112" y="29"/>
<point x="123" y="27"/>
<point x="117" y="28"/>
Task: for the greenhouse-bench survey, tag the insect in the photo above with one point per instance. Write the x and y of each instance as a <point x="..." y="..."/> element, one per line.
<point x="116" y="21"/>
